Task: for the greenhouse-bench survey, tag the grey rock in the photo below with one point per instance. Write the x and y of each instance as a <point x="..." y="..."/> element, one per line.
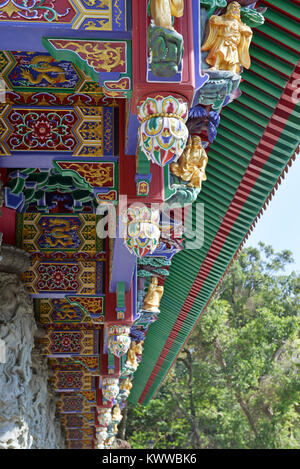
<point x="13" y="259"/>
<point x="27" y="406"/>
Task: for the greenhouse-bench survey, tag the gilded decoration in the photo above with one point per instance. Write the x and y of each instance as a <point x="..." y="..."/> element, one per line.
<point x="71" y="342"/>
<point x="40" y="11"/>
<point x="108" y="132"/>
<point x="141" y="233"/>
<point x="163" y="133"/>
<point x="76" y="403"/>
<point x="192" y="163"/>
<point x="4" y="129"/>
<point x="57" y="310"/>
<point x="228" y="41"/>
<point x="42" y="65"/>
<point x="68" y="380"/>
<point x="79" y="434"/>
<point x="54" y="122"/>
<point x="39" y="129"/>
<point x="95" y="174"/>
<point x="31" y="70"/>
<point x="80" y="444"/>
<point x="132" y="363"/>
<point x="110" y="388"/>
<point x="162" y="12"/>
<point x="95" y="131"/>
<point x="125" y="388"/>
<point x="95" y="15"/>
<point x="101" y="56"/>
<point x="4" y="61"/>
<point x="66" y="256"/>
<point x="78" y="420"/>
<point x="118" y="340"/>
<point x="93" y="306"/>
<point x="90" y="363"/>
<point x="75" y="278"/>
<point x="72" y="309"/>
<point x="153" y="296"/>
<point x="116" y="414"/>
<point x="82" y="98"/>
<point x="164" y="42"/>
<point x="38" y="79"/>
<point x="58" y="232"/>
<point x="96" y="58"/>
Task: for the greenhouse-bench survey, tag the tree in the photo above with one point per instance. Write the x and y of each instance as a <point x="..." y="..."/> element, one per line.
<point x="236" y="383"/>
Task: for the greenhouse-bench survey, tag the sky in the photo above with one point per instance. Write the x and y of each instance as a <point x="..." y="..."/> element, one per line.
<point x="280" y="224"/>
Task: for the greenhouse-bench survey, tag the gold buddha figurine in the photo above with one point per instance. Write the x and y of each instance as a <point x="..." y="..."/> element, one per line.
<point x="153" y="297"/>
<point x="163" y="10"/>
<point x="228" y="41"/>
<point x="135" y="349"/>
<point x="192" y="163"/>
<point x="126" y="386"/>
<point x="116" y="414"/>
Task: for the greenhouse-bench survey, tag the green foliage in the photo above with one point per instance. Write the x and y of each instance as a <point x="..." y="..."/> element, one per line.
<point x="236" y="384"/>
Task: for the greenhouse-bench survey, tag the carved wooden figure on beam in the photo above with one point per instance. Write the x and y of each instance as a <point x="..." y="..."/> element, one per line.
<point x="163" y="10"/>
<point x="164" y="42"/>
<point x="228" y="41"/>
<point x="153" y="297"/>
<point x="192" y="163"/>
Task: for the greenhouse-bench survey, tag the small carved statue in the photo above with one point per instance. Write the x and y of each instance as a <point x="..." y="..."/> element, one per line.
<point x="135" y="349"/>
<point x="116" y="414"/>
<point x="192" y="163"/>
<point x="228" y="41"/>
<point x="153" y="297"/>
<point x="164" y="42"/>
<point x="163" y="10"/>
<point x="126" y="386"/>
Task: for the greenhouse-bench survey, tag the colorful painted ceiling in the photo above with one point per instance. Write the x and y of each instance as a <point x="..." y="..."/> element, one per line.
<point x="136" y="152"/>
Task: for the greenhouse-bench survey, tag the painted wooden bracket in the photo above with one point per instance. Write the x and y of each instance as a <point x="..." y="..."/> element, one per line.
<point x="143" y="175"/>
<point x="120" y="293"/>
<point x="107" y="62"/>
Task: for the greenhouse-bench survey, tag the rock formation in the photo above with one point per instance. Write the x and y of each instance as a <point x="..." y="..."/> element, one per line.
<point x="27" y="404"/>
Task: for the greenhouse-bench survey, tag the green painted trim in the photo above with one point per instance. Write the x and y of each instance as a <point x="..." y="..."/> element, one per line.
<point x="143" y="164"/>
<point x="73" y="174"/>
<point x="70" y="56"/>
<point x="83" y="65"/>
<point x="120" y="295"/>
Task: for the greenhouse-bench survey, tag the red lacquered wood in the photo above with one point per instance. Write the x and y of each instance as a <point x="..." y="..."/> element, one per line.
<point x="141" y="88"/>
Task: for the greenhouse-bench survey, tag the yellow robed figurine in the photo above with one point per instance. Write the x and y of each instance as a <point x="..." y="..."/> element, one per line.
<point x="116" y="414"/>
<point x="135" y="349"/>
<point x="126" y="386"/>
<point x="153" y="297"/>
<point x="163" y="10"/>
<point x="228" y="41"/>
<point x="192" y="163"/>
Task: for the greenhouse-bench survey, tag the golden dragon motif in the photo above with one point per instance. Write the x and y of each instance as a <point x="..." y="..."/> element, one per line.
<point x="43" y="65"/>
